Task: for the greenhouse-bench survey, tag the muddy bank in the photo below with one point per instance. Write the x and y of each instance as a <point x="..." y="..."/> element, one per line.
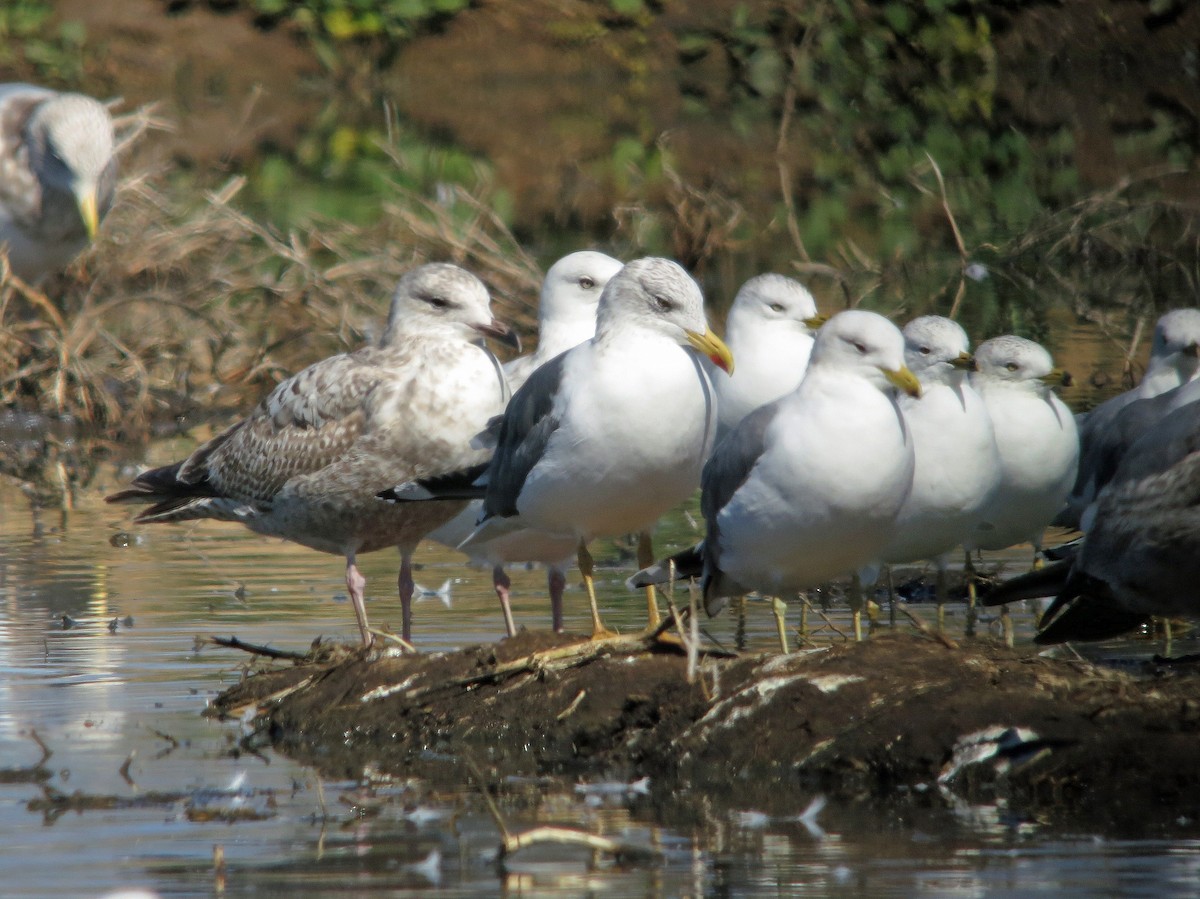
<point x="899" y="720"/>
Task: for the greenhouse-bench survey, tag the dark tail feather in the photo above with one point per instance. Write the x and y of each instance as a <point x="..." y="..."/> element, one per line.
<point x="455" y="485"/>
<point x="1090" y="616"/>
<point x="1047" y="581"/>
<point x="689" y="563"/>
<point x="153" y="486"/>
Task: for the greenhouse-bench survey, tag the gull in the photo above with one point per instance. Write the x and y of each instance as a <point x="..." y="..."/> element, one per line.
<point x="957" y="465"/>
<point x="1140" y="558"/>
<point x="566" y="318"/>
<point x="1174" y="361"/>
<point x="57" y="176"/>
<point x="1036" y="437"/>
<point x="306" y="464"/>
<point x="605" y="438"/>
<point x="807" y="488"/>
<point x="770" y="330"/>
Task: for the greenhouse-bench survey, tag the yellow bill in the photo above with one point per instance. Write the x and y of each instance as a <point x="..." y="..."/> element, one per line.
<point x="713" y="347"/>
<point x="903" y="378"/>
<point x="86" y="197"/>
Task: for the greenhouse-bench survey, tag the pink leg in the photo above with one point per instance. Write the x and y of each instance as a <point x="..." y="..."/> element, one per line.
<point x="556" y="581"/>
<point x="501" y="582"/>
<point x="355" y="583"/>
<point x="406" y="594"/>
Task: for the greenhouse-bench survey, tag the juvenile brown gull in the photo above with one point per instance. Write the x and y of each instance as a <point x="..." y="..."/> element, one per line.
<point x="308" y="461"/>
<point x="605" y="438"/>
<point x="57" y="176"/>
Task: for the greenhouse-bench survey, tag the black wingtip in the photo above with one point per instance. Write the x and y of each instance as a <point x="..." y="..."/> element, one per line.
<point x="1047" y="581"/>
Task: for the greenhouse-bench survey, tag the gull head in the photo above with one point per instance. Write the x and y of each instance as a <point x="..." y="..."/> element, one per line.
<point x="1017" y="361"/>
<point x="572" y="288"/>
<point x="1177" y="339"/>
<point x="776" y="300"/>
<point x="70" y="140"/>
<point x="935" y="348"/>
<point x="658" y="295"/>
<point x="868" y="345"/>
<point x="443" y="299"/>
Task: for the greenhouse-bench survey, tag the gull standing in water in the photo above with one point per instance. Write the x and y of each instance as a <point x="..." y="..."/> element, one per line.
<point x="566" y="318"/>
<point x="307" y="462"/>
<point x="769" y="328"/>
<point x="57" y="176"/>
<point x="605" y="438"/>
<point x="807" y="488"/>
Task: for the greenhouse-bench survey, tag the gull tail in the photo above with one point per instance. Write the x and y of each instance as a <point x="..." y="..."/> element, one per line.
<point x="465" y="484"/>
<point x="688" y="563"/>
<point x="1046" y="581"/>
<point x="170" y="498"/>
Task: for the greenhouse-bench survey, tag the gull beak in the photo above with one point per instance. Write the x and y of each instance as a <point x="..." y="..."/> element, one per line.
<point x="85" y="196"/>
<point x="815" y="322"/>
<point x="713" y="347"/>
<point x="964" y="361"/>
<point x="497" y="330"/>
<point x="903" y="379"/>
<point x="1058" y="378"/>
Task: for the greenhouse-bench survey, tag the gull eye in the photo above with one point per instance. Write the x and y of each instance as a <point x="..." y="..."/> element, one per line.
<point x="437" y="302"/>
<point x="924" y="351"/>
<point x="776" y="307"/>
<point x="587" y="283"/>
<point x="1012" y="366"/>
<point x="861" y="347"/>
<point x="662" y="304"/>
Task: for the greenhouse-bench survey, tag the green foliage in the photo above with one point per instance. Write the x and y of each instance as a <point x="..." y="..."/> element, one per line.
<point x="34" y="47"/>
<point x="392" y="21"/>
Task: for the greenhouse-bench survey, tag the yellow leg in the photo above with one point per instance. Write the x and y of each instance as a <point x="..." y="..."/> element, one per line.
<point x="856" y="607"/>
<point x="780" y="609"/>
<point x="804" y="606"/>
<point x="940" y="599"/>
<point x="586" y="568"/>
<point x="645" y="560"/>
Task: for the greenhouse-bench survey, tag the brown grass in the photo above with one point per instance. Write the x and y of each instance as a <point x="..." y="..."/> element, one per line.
<point x="184" y="304"/>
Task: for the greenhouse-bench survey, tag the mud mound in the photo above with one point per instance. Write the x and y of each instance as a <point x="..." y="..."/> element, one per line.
<point x="897" y="718"/>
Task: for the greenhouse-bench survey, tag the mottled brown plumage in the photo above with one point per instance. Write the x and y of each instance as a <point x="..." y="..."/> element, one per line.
<point x="307" y="462"/>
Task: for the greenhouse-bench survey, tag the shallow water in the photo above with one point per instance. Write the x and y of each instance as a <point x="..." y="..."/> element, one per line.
<point x="100" y="698"/>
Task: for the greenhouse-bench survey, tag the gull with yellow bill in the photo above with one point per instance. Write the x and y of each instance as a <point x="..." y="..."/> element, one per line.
<point x="807" y="488"/>
<point x="57" y="176"/>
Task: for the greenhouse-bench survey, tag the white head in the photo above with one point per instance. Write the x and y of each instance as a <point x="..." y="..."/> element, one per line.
<point x="867" y="344"/>
<point x="936" y="349"/>
<point x="1176" y="343"/>
<point x="70" y="139"/>
<point x="1016" y="361"/>
<point x="572" y="288"/>
<point x="658" y="295"/>
<point x="777" y="300"/>
<point x="442" y="299"/>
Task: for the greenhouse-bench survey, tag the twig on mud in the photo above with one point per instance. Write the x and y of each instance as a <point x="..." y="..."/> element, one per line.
<point x="254" y="648"/>
<point x="925" y="628"/>
<point x="574" y="704"/>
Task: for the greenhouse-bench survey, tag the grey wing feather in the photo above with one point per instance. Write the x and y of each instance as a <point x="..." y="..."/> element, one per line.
<point x="528" y="423"/>
<point x="726" y="471"/>
<point x="1174" y="437"/>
